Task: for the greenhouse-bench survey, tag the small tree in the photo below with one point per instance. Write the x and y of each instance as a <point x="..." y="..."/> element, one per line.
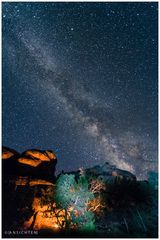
<point x="97" y="187"/>
<point x="74" y="197"/>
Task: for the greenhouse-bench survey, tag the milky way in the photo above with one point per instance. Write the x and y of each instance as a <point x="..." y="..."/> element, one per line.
<point x="81" y="79"/>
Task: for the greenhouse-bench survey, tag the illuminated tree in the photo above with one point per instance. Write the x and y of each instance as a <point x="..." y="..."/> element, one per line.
<point x="96" y="186"/>
<point x="74" y="196"/>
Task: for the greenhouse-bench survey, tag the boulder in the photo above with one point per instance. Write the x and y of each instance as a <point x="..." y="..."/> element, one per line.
<point x="33" y="163"/>
<point x="109" y="172"/>
<point x="9" y="161"/>
<point x="26" y="181"/>
<point x="37" y="163"/>
<point x="8" y="153"/>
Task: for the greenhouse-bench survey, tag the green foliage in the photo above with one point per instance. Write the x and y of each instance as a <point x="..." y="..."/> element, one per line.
<point x="64" y="192"/>
<point x="73" y="196"/>
<point x="86" y="222"/>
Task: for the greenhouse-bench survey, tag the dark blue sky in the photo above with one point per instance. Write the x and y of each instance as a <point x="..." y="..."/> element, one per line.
<point x="81" y="79"/>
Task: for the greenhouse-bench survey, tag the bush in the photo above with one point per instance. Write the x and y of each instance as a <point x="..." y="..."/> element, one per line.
<point x="74" y="197"/>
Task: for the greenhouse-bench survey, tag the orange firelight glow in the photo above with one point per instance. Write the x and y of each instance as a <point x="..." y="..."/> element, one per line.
<point x="45" y="219"/>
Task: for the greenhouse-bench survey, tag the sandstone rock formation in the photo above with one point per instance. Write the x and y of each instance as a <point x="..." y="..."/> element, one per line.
<point x="37" y="163"/>
<point x="32" y="163"/>
<point x="9" y="161"/>
<point x="106" y="172"/>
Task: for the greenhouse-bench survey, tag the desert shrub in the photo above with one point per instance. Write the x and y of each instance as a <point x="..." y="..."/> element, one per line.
<point x="74" y="197"/>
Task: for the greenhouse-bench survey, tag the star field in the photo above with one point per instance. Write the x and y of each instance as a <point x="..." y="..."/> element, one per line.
<point x="81" y="79"/>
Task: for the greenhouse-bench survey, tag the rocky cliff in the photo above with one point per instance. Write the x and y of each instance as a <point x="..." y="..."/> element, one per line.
<point x="31" y="164"/>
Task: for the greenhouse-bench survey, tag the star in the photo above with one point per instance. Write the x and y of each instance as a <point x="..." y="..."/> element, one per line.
<point x="77" y="78"/>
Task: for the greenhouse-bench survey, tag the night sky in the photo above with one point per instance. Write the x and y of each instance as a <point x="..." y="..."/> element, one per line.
<point x="81" y="79"/>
